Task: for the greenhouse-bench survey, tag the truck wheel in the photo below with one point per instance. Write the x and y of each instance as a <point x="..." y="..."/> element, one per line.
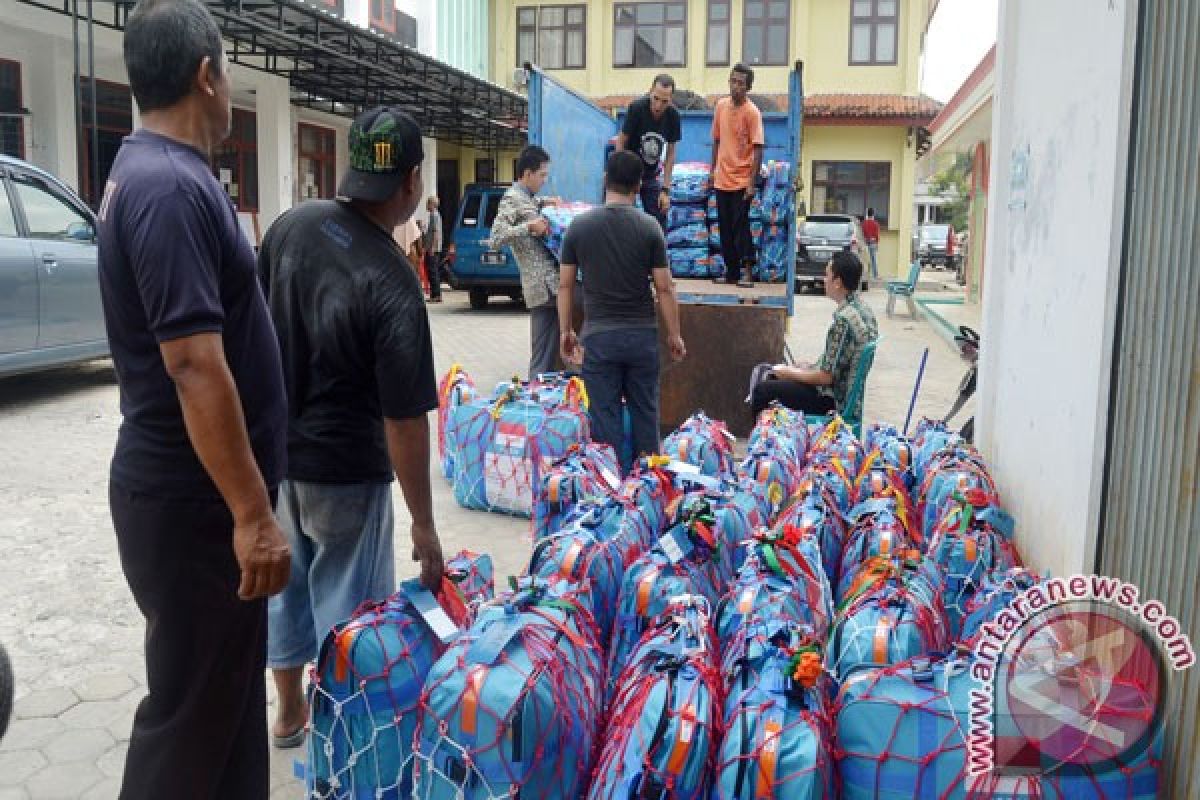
<point x="478" y="298"/>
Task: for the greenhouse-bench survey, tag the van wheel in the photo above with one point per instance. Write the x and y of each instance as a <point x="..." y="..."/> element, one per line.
<point x="478" y="298"/>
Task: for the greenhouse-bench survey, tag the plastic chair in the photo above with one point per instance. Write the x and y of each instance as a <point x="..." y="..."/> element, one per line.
<point x="904" y="289"/>
<point x="856" y="396"/>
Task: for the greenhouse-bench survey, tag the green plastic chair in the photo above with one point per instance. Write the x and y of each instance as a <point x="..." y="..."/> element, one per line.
<point x="857" y="396"/>
<point x="905" y="289"/>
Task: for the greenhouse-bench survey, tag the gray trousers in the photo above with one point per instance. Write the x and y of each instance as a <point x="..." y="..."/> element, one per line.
<point x="543" y="338"/>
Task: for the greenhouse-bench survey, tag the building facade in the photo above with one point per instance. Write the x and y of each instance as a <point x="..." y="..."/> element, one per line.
<point x="964" y="128"/>
<point x="864" y="115"/>
<point x="288" y="140"/>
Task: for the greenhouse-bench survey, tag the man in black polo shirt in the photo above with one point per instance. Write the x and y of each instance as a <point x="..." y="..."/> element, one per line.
<point x="358" y="366"/>
<point x="201" y="447"/>
<point x="620" y="251"/>
<point x="651" y="130"/>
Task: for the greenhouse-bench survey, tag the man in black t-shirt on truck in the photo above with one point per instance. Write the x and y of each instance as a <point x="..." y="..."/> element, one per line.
<point x="651" y="130"/>
<point x="358" y="369"/>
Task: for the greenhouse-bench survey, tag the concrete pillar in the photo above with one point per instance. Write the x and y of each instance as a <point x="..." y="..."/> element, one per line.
<point x="276" y="159"/>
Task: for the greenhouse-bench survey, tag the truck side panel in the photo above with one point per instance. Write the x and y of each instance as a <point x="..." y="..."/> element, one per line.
<point x="575" y="133"/>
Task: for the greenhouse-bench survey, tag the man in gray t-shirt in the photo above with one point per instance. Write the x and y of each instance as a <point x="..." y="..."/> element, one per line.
<point x="620" y="251"/>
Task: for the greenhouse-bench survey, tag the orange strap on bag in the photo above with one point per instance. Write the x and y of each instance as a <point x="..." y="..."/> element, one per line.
<point x="568" y="563"/>
<point x="645" y="586"/>
<point x="883" y="633"/>
<point x="470" y="699"/>
<point x="683" y="741"/>
<point x="768" y="761"/>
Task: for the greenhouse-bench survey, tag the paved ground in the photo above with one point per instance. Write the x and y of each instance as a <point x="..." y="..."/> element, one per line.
<point x="70" y="623"/>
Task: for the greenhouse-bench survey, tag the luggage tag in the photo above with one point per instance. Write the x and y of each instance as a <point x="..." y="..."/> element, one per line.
<point x="610" y="478"/>
<point x="673" y="546"/>
<point x="431" y="611"/>
<point x="681" y="467"/>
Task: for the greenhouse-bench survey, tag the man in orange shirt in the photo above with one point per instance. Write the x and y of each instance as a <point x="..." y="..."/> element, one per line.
<point x="737" y="135"/>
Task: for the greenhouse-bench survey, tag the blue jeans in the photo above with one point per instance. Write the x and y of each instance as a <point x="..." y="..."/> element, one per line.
<point x="342" y="555"/>
<point x="623" y="364"/>
<point x="873" y="248"/>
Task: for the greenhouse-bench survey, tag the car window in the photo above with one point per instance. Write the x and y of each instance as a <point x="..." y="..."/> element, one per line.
<point x="8" y="220"/>
<point x="470" y="215"/>
<point x="489" y="214"/>
<point x="48" y="215"/>
<point x="827" y="230"/>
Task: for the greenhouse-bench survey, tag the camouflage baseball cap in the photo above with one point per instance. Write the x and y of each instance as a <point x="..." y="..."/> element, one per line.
<point x="385" y="144"/>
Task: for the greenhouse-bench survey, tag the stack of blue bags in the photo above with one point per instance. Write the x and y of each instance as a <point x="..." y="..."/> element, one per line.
<point x="687" y="223"/>
<point x="773" y="207"/>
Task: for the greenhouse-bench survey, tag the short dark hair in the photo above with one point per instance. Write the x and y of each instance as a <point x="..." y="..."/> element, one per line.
<point x="664" y="80"/>
<point x="870" y="211"/>
<point x="531" y="160"/>
<point x="848" y="269"/>
<point x="623" y="173"/>
<point x="165" y="41"/>
<point x="749" y="73"/>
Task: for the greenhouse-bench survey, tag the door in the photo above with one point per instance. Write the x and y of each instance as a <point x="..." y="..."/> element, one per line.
<point x="448" y="188"/>
<point x="18" y="282"/>
<point x="63" y="237"/>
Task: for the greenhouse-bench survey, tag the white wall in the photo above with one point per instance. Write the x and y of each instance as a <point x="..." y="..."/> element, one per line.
<point x="1055" y="227"/>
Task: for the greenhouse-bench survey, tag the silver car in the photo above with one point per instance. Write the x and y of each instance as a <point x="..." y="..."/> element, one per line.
<point x="50" y="312"/>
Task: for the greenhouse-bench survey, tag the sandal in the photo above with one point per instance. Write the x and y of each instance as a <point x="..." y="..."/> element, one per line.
<point x="293" y="739"/>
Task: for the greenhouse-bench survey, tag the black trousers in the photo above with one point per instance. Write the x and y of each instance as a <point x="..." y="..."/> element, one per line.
<point x="434" y="273"/>
<point x="796" y="396"/>
<point x="201" y="730"/>
<point x="737" y="247"/>
<point x="650" y="195"/>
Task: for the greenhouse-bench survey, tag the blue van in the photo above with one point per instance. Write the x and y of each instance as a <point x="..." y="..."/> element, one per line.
<point x="483" y="272"/>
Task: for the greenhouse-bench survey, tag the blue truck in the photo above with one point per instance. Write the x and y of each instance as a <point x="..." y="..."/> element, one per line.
<point x="578" y="135"/>
<point x="480" y="270"/>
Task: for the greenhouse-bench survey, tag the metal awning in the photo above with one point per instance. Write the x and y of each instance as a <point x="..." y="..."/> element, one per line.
<point x="340" y="68"/>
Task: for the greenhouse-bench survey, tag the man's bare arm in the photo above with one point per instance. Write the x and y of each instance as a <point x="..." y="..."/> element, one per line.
<point x="664" y="288"/>
<point x="212" y="414"/>
<point x="408" y="447"/>
<point x="809" y="375"/>
<point x="568" y="341"/>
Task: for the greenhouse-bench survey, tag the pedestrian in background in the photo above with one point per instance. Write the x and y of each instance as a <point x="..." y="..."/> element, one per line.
<point x="433" y="250"/>
<point x="358" y="367"/>
<point x="620" y="252"/>
<point x="738" y="138"/>
<point x="202" y="443"/>
<point x="870" y="229"/>
<point x="519" y="224"/>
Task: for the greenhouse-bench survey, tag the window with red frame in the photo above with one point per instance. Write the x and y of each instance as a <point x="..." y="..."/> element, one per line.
<point x="317" y="173"/>
<point x="236" y="161"/>
<point x="114" y="121"/>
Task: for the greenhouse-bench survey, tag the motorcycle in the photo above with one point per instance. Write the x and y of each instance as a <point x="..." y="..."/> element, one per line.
<point x="968" y="347"/>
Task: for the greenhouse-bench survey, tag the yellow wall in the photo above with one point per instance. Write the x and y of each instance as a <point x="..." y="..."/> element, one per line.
<point x="820" y="36"/>
<point x="833" y="143"/>
<point x="466" y="161"/>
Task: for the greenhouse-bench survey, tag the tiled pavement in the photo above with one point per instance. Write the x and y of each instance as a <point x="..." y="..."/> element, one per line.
<point x="69" y="623"/>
